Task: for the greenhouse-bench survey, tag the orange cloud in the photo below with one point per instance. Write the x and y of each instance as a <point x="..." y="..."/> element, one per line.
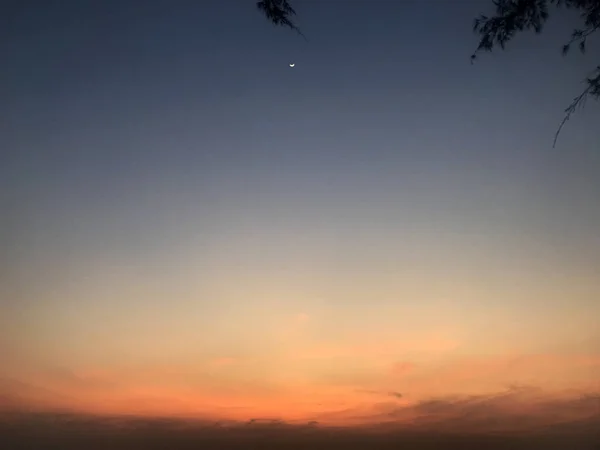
<point x="517" y="408"/>
<point x="477" y="375"/>
<point x="353" y="392"/>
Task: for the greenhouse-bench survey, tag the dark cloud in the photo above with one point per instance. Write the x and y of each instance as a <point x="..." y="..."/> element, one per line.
<point x="517" y="409"/>
<point x="374" y="392"/>
<point x="519" y="417"/>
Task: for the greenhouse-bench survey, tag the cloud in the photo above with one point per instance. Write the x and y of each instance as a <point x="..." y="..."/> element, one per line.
<point x="475" y="374"/>
<point x="426" y="392"/>
<point x="515" y="409"/>
<point x="382" y="393"/>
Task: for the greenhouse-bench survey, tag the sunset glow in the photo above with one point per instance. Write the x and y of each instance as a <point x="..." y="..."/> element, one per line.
<point x="191" y="229"/>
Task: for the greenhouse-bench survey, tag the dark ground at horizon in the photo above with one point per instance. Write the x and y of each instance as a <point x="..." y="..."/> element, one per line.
<point x="68" y="432"/>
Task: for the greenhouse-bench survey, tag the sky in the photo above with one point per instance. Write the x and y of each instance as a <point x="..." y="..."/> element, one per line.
<point x="191" y="227"/>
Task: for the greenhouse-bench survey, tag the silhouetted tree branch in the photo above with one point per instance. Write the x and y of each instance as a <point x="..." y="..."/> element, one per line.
<point x="593" y="87"/>
<point x="514" y="16"/>
<point x="279" y="12"/>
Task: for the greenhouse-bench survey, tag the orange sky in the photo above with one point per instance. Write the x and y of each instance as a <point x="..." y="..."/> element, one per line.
<point x="370" y="348"/>
<point x="357" y="379"/>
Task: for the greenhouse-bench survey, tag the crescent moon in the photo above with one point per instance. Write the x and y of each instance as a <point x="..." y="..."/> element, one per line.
<point x="292" y="65"/>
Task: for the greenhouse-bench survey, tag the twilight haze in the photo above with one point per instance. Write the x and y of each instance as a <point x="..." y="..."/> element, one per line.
<point x="193" y="228"/>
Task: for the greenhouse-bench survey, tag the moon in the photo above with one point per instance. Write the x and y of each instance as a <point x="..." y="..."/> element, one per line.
<point x="292" y="64"/>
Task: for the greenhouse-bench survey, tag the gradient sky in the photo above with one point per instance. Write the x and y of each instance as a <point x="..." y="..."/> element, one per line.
<point x="190" y="226"/>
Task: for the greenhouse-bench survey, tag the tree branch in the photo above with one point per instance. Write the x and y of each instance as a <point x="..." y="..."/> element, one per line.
<point x="592" y="89"/>
<point x="581" y="36"/>
<point x="514" y="16"/>
<point x="279" y="12"/>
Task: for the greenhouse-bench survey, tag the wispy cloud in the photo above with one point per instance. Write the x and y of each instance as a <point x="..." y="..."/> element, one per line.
<point x="400" y="390"/>
<point x="540" y="369"/>
<point x="380" y="393"/>
<point x="516" y="408"/>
